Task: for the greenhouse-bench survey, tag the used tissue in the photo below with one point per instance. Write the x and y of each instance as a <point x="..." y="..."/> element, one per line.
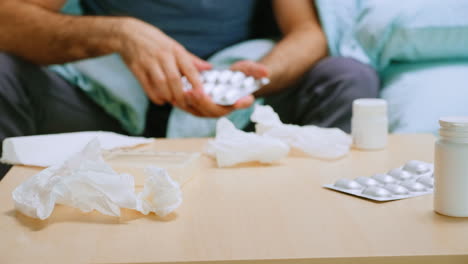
<point x="86" y="182"/>
<point x="161" y="194"/>
<point x="232" y="146"/>
<point x="328" y="143"/>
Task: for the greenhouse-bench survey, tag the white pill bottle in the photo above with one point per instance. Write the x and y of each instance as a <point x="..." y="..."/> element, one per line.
<point x="369" y="124"/>
<point x="451" y="167"/>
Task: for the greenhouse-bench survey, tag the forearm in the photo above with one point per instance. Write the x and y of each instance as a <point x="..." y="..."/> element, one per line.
<point x="46" y="37"/>
<point x="296" y="53"/>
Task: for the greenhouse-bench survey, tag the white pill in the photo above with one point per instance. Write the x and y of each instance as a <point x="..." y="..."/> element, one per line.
<point x="233" y="94"/>
<point x="427" y="181"/>
<point x="377" y="192"/>
<point x="222" y="101"/>
<point x="201" y="78"/>
<point x="400" y="174"/>
<point x="208" y="88"/>
<point x="238" y="77"/>
<point x="417" y="167"/>
<point x="264" y="81"/>
<point x="366" y="181"/>
<point x="348" y="184"/>
<point x="186" y="85"/>
<point x="210" y="76"/>
<point x="225" y="76"/>
<point x="229" y="98"/>
<point x="396" y="189"/>
<point x="218" y="92"/>
<point x="249" y="82"/>
<point x="414" y="186"/>
<point x="384" y="178"/>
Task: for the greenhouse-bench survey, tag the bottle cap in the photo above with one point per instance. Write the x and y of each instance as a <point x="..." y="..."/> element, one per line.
<point x="454" y="121"/>
<point x="369" y="107"/>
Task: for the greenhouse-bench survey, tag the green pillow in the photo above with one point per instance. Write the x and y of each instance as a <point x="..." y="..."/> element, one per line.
<point x="416" y="30"/>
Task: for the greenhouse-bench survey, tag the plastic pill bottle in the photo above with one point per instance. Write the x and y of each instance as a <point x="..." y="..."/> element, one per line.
<point x="369" y="124"/>
<point x="451" y="167"/>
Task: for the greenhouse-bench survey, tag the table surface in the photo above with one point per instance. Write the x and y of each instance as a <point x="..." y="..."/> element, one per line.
<point x="250" y="214"/>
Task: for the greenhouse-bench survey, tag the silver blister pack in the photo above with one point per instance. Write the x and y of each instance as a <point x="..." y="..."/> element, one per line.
<point x="415" y="178"/>
<point x="225" y="87"/>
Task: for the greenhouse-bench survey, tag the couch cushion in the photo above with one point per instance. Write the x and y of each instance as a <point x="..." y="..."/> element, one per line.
<point x="420" y="93"/>
<point x="416" y="30"/>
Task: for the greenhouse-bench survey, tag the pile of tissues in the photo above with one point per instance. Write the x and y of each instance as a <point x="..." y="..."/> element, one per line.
<point x="273" y="139"/>
<point x="86" y="182"/>
<point x="233" y="146"/>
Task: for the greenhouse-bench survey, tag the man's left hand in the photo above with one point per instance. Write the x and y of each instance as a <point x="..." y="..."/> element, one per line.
<point x="202" y="105"/>
<point x="251" y="68"/>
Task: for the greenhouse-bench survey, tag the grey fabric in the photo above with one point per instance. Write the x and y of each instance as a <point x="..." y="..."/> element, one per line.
<point x="34" y="100"/>
<point x="324" y="95"/>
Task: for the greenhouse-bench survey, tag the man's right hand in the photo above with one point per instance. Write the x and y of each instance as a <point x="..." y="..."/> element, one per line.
<point x="159" y="62"/>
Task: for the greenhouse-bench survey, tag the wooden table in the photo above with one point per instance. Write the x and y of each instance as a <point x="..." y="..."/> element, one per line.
<point x="250" y="214"/>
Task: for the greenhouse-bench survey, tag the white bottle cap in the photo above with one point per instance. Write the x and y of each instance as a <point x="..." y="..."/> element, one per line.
<point x="454" y="121"/>
<point x="369" y="107"/>
<point x="454" y="127"/>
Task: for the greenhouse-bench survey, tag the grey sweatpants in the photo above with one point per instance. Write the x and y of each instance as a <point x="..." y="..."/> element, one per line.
<point x="34" y="100"/>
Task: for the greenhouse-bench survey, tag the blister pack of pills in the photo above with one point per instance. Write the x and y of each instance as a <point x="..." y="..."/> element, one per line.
<point x="415" y="178"/>
<point x="225" y="87"/>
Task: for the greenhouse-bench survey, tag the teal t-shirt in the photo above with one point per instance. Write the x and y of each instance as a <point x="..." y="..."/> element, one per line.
<point x="201" y="26"/>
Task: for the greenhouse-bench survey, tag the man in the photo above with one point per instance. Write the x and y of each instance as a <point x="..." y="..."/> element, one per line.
<point x="160" y="41"/>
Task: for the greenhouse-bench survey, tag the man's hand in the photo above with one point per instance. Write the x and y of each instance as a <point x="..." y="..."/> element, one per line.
<point x="159" y="62"/>
<point x="251" y="68"/>
<point x="201" y="105"/>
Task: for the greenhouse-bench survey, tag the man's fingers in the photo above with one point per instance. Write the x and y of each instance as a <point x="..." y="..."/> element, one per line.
<point x="207" y="108"/>
<point x="159" y="82"/>
<point x="189" y="70"/>
<point x="147" y="87"/>
<point x="244" y="102"/>
<point x="251" y="68"/>
<point x="200" y="64"/>
<point x="174" y="82"/>
<point x="190" y="109"/>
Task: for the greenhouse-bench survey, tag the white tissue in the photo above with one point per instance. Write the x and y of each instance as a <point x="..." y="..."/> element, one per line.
<point x="329" y="143"/>
<point x="233" y="146"/>
<point x="35" y="197"/>
<point x="29" y="150"/>
<point x="161" y="193"/>
<point x="86" y="182"/>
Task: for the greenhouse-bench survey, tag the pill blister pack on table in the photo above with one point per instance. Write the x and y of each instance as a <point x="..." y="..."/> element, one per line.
<point x="415" y="178"/>
<point x="225" y="87"/>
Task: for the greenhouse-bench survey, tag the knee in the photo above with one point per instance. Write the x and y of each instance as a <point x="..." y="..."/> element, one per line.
<point x="10" y="66"/>
<point x="349" y="77"/>
<point x="11" y="70"/>
<point x="8" y="62"/>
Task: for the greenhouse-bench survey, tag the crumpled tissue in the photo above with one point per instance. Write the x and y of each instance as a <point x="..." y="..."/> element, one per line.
<point x="86" y="182"/>
<point x="327" y="143"/>
<point x="232" y="146"/>
<point x="161" y="194"/>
